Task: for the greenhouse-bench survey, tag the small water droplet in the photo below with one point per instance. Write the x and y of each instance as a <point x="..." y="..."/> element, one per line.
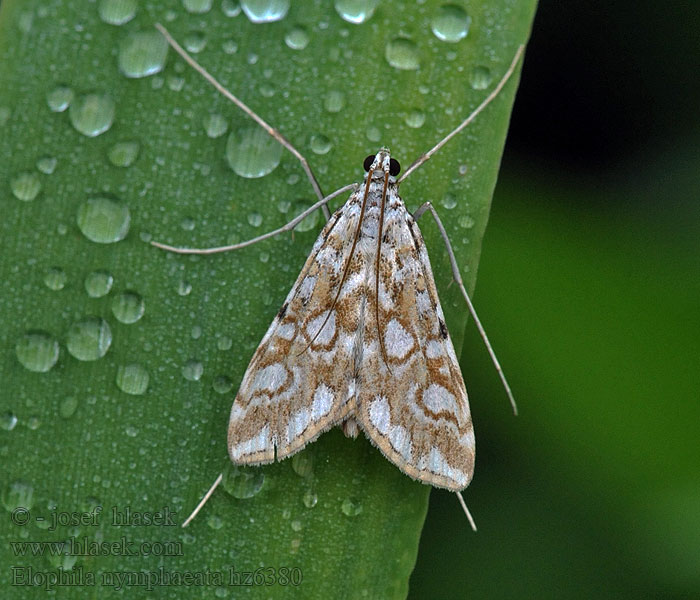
<point x="224" y="343"/>
<point x="117" y="12"/>
<point x="265" y="11"/>
<point x="89" y="339"/>
<point x="465" y="221"/>
<point x="415" y="118"/>
<point x="59" y="98"/>
<point x="4" y="115"/>
<point x="68" y="407"/>
<point x="309" y="222"/>
<point x="33" y="423"/>
<point x="215" y="522"/>
<point x="37" y="351"/>
<point x="310" y="499"/>
<point x="192" y="370"/>
<point x="98" y="284"/>
<point x="296" y="525"/>
<point x="123" y="154"/>
<point x="334" y="101"/>
<point x="8" y="420"/>
<point x="450" y="23"/>
<point x="196" y="332"/>
<point x="195" y="41"/>
<point x="463" y="170"/>
<point x="47" y="164"/>
<point x="18" y="494"/>
<point x="222" y="384"/>
<point x="103" y="220"/>
<point x="243" y="482"/>
<point x="303" y="463"/>
<point x="175" y="83"/>
<point x="142" y="53"/>
<point x="229" y="46"/>
<point x="55" y="278"/>
<point x="231" y="8"/>
<point x="373" y="134"/>
<point x="255" y="219"/>
<point x="128" y="307"/>
<point x="252" y="153"/>
<point x="355" y="11"/>
<point x="449" y="201"/>
<point x="184" y="288"/>
<point x="132" y="379"/>
<point x="131" y="431"/>
<point x="92" y="114"/>
<point x="351" y="507"/>
<point x="215" y="125"/>
<point x="320" y="144"/>
<point x="402" y="53"/>
<point x="26" y="186"/>
<point x="297" y="38"/>
<point x="480" y="78"/>
<point x="197" y="7"/>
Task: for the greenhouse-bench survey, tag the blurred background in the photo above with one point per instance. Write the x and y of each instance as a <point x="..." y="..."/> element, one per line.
<point x="589" y="286"/>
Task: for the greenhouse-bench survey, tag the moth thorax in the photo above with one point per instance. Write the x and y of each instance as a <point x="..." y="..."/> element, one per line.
<point x="350" y="428"/>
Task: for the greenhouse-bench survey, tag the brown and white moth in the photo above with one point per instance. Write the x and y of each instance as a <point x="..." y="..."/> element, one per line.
<point x="361" y="339"/>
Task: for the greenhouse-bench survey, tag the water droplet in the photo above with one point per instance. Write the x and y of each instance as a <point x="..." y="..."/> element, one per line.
<point x="59" y="98"/>
<point x="92" y="114"/>
<point x="55" y="278"/>
<point x="18" y="494"/>
<point x="265" y="11"/>
<point x="128" y="307"/>
<point x="351" y="507"/>
<point x="373" y="134"/>
<point x="103" y="220"/>
<point x="252" y="153"/>
<point x="131" y="431"/>
<point x="402" y="53"/>
<point x="89" y="339"/>
<point x="297" y="38"/>
<point x="215" y="125"/>
<point x="296" y="525"/>
<point x="465" y="221"/>
<point x="142" y="54"/>
<point x="255" y="219"/>
<point x="188" y="224"/>
<point x="4" y="115"/>
<point x="184" y="288"/>
<point x="231" y="8"/>
<point x="224" y="343"/>
<point x="229" y="46"/>
<point x="33" y="423"/>
<point x="222" y="384"/>
<point x="132" y="379"/>
<point x="98" y="284"/>
<point x="68" y="407"/>
<point x="123" y="154"/>
<point x="195" y="41"/>
<point x="117" y="12"/>
<point x="303" y="463"/>
<point x="449" y="201"/>
<point x="334" y="101"/>
<point x="309" y="222"/>
<point x="197" y="7"/>
<point x="480" y="78"/>
<point x="355" y="11"/>
<point x="8" y="420"/>
<point x="310" y="499"/>
<point x="175" y="83"/>
<point x="193" y="370"/>
<point x="37" y="351"/>
<point x="196" y="332"/>
<point x="243" y="482"/>
<point x="47" y="164"/>
<point x="26" y="186"/>
<point x="450" y="23"/>
<point x="320" y="144"/>
<point x="215" y="522"/>
<point x="415" y="118"/>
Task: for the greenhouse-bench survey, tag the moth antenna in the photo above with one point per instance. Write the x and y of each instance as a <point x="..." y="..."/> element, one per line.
<point x="203" y="501"/>
<point x="466" y="510"/>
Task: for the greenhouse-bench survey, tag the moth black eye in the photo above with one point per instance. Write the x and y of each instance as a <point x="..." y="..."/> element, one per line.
<point x="368" y="162"/>
<point x="394" y="167"/>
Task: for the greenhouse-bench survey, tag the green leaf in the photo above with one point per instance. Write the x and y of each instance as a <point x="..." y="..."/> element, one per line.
<point x="107" y="144"/>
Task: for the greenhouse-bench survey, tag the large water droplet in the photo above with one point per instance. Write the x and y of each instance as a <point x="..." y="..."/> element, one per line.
<point x="89" y="339"/>
<point x="8" y="420"/>
<point x="320" y="144"/>
<point x="132" y="379"/>
<point x="92" y="114"/>
<point x="450" y="23"/>
<point x="303" y="463"/>
<point x="26" y="186"/>
<point x="480" y="78"/>
<point x="123" y="154"/>
<point x="243" y="482"/>
<point x="402" y="53"/>
<point x="197" y="7"/>
<point x="59" y="98"/>
<point x="195" y="42"/>
<point x="297" y="38"/>
<point x="355" y="11"/>
<point x="103" y="220"/>
<point x="55" y="278"/>
<point x="192" y="370"/>
<point x="222" y="384"/>
<point x="117" y="12"/>
<point x="142" y="54"/>
<point x="231" y="8"/>
<point x="98" y="284"/>
<point x="265" y="11"/>
<point x="128" y="307"/>
<point x="252" y="153"/>
<point x="18" y="494"/>
<point x="215" y="125"/>
<point x="37" y="351"/>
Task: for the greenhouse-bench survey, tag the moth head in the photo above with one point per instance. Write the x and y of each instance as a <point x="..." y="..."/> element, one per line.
<point x="381" y="164"/>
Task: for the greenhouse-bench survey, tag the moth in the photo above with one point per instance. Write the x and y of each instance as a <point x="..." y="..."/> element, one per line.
<point x="361" y="339"/>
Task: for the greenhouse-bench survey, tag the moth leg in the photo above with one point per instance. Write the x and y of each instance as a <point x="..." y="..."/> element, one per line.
<point x="458" y="280"/>
<point x="247" y="110"/>
<point x="287" y="227"/>
<point x="203" y="501"/>
<point x="423" y="158"/>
